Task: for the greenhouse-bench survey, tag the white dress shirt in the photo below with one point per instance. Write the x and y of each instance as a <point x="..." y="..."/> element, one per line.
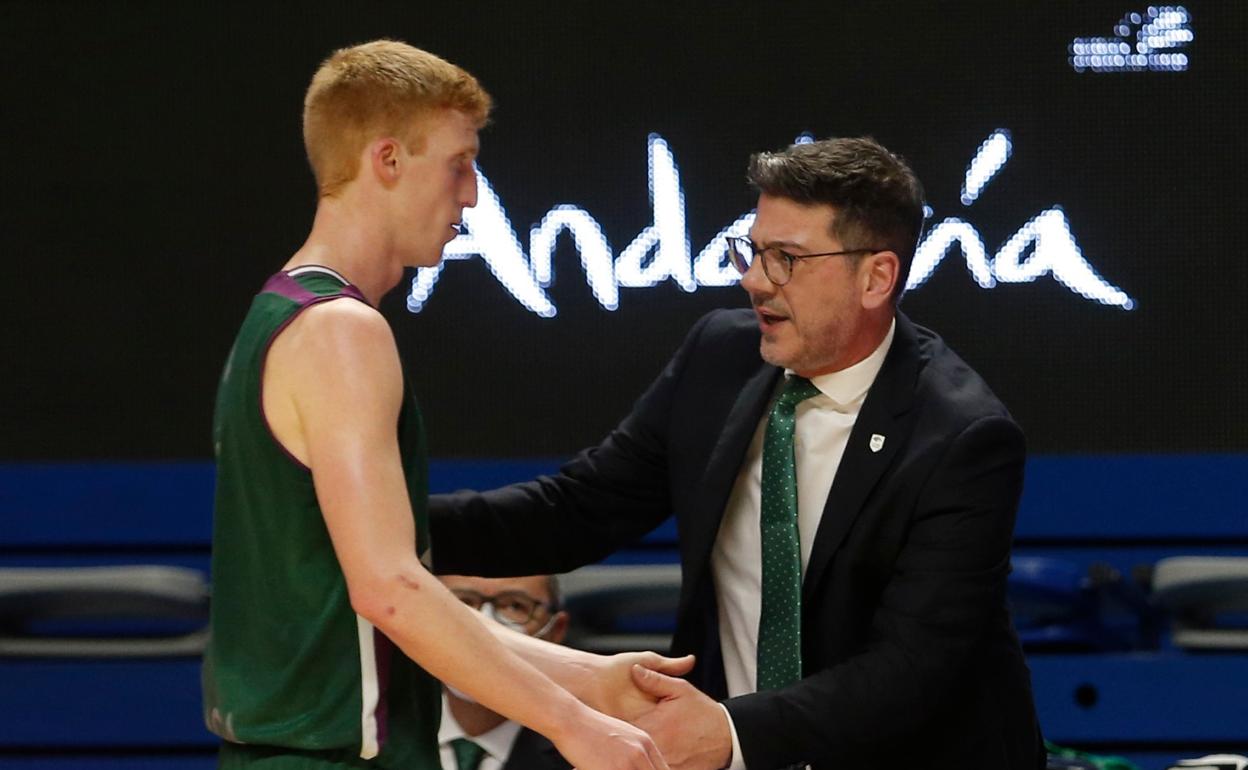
<point x="496" y="742"/>
<point x="821" y="433"/>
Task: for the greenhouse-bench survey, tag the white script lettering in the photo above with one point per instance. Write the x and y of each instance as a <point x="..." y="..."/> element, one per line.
<point x="488" y="234"/>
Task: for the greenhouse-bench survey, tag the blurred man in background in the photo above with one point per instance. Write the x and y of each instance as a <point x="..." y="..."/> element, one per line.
<point x="472" y="737"/>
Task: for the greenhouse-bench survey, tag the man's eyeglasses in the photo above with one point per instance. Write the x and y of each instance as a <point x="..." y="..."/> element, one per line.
<point x="777" y="263"/>
<point x="514" y="608"/>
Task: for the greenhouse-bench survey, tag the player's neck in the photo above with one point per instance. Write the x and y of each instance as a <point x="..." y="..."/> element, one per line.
<point x="345" y="240"/>
<point x="474" y="718"/>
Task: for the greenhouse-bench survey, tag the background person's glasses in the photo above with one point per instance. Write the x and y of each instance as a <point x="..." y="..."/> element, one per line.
<point x="777" y="263"/>
<point x="513" y="607"/>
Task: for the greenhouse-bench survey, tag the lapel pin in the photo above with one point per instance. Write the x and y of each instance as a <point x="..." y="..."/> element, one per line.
<point x="877" y="442"/>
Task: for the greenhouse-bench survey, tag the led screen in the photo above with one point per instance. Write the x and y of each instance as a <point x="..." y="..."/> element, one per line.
<point x="1082" y="162"/>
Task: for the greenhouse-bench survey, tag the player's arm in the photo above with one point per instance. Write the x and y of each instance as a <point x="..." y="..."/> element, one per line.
<point x="345" y="384"/>
<point x="606" y="682"/>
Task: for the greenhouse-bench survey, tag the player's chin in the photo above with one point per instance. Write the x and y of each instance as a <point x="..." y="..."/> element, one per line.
<point x="425" y="258"/>
<point x="444" y="242"/>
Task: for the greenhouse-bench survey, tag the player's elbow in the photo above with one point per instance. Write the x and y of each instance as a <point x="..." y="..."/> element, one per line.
<point x="378" y="595"/>
<point x="367" y="604"/>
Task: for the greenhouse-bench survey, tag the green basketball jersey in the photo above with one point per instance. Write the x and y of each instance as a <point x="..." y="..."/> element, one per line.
<point x="289" y="663"/>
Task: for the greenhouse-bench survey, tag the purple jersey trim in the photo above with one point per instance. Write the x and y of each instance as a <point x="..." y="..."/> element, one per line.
<point x="283" y="285"/>
<point x="383" y="650"/>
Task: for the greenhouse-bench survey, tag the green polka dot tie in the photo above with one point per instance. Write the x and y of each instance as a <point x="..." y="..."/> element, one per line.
<point x="468" y="755"/>
<point x="780" y="622"/>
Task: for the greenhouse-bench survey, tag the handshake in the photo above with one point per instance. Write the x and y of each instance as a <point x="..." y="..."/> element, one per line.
<point x="628" y="711"/>
<point x="689" y="729"/>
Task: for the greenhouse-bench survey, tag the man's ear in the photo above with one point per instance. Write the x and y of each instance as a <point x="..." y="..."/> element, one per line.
<point x="385" y="158"/>
<point x="877" y="275"/>
<point x="558" y="629"/>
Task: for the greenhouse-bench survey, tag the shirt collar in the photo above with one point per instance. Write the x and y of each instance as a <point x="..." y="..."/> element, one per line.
<point x="496" y="742"/>
<point x="848" y="386"/>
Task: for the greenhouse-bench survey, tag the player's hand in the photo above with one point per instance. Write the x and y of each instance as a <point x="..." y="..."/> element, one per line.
<point x="615" y="690"/>
<point x="594" y="741"/>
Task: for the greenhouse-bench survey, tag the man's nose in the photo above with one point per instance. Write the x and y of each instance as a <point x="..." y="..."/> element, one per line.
<point x="755" y="281"/>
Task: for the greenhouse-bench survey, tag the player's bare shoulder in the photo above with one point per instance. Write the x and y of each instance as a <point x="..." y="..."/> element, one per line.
<point x="341" y="327"/>
<point x="335" y="357"/>
<point x="340" y="337"/>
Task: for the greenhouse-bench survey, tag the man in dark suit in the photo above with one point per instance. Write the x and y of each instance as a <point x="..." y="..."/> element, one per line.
<point x="471" y="736"/>
<point x="844" y="486"/>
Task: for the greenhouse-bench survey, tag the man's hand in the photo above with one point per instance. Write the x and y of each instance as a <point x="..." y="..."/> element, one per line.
<point x="689" y="728"/>
<point x="615" y="690"/>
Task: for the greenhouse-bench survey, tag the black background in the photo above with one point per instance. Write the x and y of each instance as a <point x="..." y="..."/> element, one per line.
<point x="154" y="177"/>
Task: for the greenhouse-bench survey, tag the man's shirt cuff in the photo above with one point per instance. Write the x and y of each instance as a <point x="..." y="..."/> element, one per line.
<point x="738" y="762"/>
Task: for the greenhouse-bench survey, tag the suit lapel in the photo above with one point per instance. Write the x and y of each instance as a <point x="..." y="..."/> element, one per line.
<point x="885" y="414"/>
<point x="722" y="469"/>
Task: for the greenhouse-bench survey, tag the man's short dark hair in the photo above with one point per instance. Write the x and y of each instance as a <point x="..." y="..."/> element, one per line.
<point x="878" y="199"/>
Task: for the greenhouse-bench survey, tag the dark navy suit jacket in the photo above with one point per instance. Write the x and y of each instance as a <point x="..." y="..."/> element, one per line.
<point x="909" y="654"/>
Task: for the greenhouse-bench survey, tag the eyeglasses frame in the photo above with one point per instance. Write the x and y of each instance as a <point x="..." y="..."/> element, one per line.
<point x="735" y="242"/>
<point x="492" y="599"/>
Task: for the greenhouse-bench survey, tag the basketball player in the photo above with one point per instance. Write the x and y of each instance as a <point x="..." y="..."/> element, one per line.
<point x="321" y="480"/>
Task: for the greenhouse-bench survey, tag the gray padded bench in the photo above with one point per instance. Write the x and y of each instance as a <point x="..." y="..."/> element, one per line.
<point x="144" y="595"/>
<point x="1198" y="591"/>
